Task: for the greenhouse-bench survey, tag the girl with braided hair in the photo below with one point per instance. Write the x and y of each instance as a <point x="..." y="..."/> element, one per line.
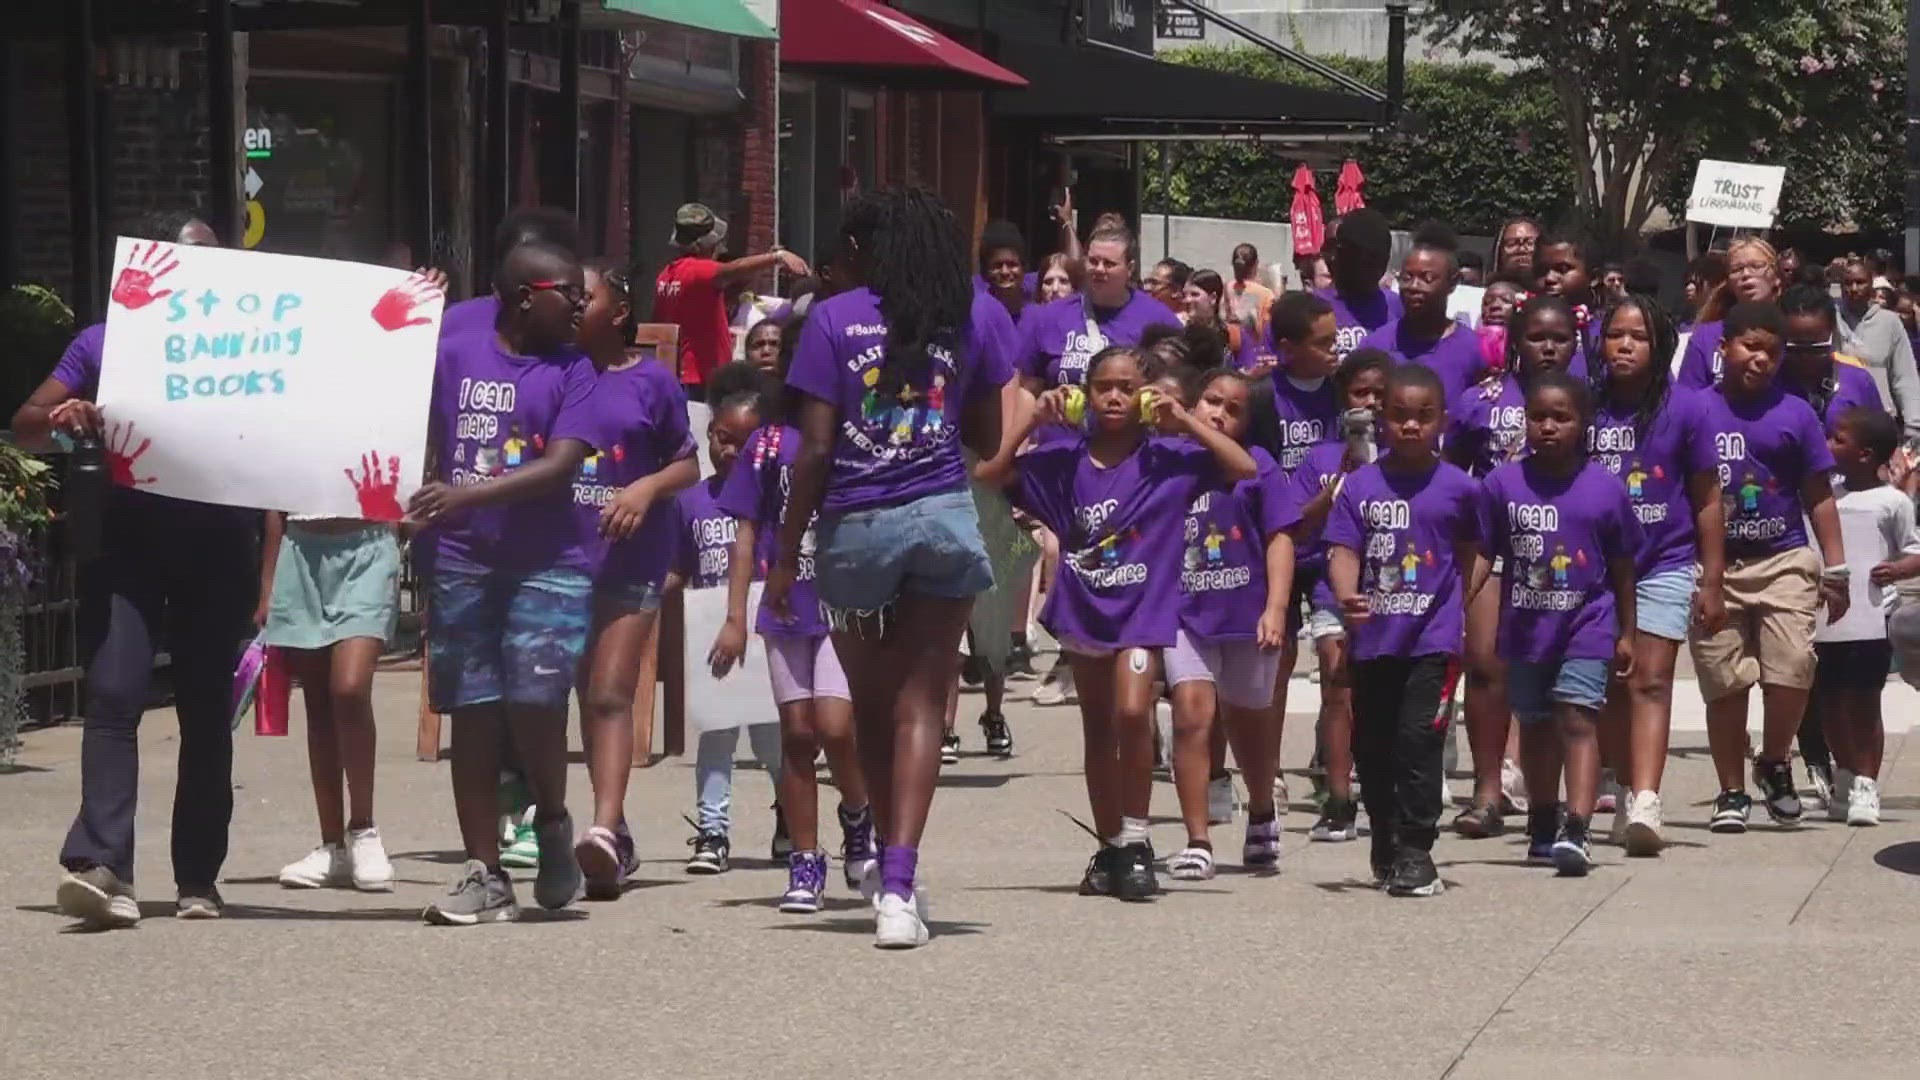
<point x="889" y="380"/>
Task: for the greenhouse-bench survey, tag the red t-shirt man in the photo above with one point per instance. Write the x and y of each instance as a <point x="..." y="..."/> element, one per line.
<point x="689" y="291"/>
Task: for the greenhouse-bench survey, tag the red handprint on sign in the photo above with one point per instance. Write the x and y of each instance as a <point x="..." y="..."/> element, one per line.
<point x="395" y="308"/>
<point x="120" y="463"/>
<point x="378" y="501"/>
<point x="133" y="289"/>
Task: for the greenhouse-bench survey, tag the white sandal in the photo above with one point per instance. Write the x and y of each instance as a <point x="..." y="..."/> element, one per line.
<point x="1191" y="864"/>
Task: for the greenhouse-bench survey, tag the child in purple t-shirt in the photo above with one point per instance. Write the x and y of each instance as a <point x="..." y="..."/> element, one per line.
<point x="622" y="496"/>
<point x="1654" y="437"/>
<point x="1225" y="658"/>
<point x="1811" y="369"/>
<point x="512" y="421"/>
<point x="1401" y="533"/>
<point x="809" y="685"/>
<point x="1567" y="537"/>
<point x="1427" y="333"/>
<point x="1774" y="466"/>
<point x="1361" y="382"/>
<point x="1116" y="496"/>
<point x="1562" y="267"/>
<point x="1303" y="398"/>
<point x="702" y="563"/>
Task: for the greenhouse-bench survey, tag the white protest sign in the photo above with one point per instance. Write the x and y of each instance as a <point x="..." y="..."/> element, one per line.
<point x="1735" y="194"/>
<point x="270" y="381"/>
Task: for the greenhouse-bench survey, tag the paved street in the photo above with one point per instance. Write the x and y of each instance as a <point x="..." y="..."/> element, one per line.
<point x="1770" y="954"/>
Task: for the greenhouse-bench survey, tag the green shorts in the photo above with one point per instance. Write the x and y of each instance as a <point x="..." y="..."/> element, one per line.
<point x="331" y="586"/>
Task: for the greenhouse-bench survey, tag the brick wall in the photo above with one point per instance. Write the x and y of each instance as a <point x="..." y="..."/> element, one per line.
<point x="759" y="156"/>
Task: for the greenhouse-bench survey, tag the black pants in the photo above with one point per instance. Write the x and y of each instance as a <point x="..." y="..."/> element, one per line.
<point x="1397" y="741"/>
<point x="193" y="575"/>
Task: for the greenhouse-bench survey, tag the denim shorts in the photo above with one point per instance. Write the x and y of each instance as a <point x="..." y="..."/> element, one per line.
<point x="496" y="635"/>
<point x="616" y="598"/>
<point x="930" y="546"/>
<point x="1663" y="603"/>
<point x="1534" y="687"/>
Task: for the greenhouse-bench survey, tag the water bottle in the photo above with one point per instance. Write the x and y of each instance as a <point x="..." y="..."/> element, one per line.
<point x="86" y="498"/>
<point x="1359" y="428"/>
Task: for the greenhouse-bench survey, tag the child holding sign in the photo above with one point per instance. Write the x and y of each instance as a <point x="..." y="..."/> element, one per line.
<point x="508" y="620"/>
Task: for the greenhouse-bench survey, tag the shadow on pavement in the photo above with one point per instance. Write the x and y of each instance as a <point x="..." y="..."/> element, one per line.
<point x="935" y="927"/>
<point x="1904" y="858"/>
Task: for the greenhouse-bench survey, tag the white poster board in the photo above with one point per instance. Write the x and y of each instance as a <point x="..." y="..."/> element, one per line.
<point x="271" y="381"/>
<point x="1735" y="194"/>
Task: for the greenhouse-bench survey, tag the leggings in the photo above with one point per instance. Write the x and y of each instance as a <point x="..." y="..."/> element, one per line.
<point x="187" y="572"/>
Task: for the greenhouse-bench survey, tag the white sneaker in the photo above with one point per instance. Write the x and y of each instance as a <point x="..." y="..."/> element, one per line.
<point x="1839" y="794"/>
<point x="1863" y="808"/>
<point x="1513" y="788"/>
<point x="367" y="858"/>
<point x="898" y="923"/>
<point x="1280" y="796"/>
<point x="324" y="867"/>
<point x="1611" y="794"/>
<point x="1220" y="801"/>
<point x="1191" y="864"/>
<point x="1641" y="833"/>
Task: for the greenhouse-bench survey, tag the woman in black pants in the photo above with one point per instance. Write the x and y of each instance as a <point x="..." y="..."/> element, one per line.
<point x="168" y="571"/>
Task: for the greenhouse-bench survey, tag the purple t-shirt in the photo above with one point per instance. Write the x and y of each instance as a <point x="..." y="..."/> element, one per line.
<point x="1853" y="388"/>
<point x="79" y="367"/>
<point x="1556" y="535"/>
<point x="1120" y="536"/>
<point x="1223" y="575"/>
<point x="492" y="412"/>
<point x="892" y="449"/>
<point x="642" y="413"/>
<point x="1354" y="319"/>
<point x="1767" y="447"/>
<point x="479" y="313"/>
<point x="1404" y="527"/>
<point x="1054" y="343"/>
<point x="1487" y="425"/>
<point x="1654" y="465"/>
<point x="1700" y="364"/>
<point x="1316" y="471"/>
<point x="757" y="490"/>
<point x="704" y="534"/>
<point x="1456" y="357"/>
<point x="1304" y="419"/>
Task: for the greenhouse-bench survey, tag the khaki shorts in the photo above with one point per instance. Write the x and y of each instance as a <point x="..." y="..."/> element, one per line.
<point x="1771" y="604"/>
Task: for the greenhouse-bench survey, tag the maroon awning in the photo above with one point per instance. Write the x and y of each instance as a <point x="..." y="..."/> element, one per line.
<point x="864" y="41"/>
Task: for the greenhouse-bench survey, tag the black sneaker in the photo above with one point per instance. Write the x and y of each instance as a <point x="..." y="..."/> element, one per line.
<point x="1020" y="662"/>
<point x="1382" y="858"/>
<point x="1730" y="810"/>
<point x="1339" y="821"/>
<point x="950" y="749"/>
<point x="1775" y="781"/>
<point x="710" y="852"/>
<point x="1414" y="875"/>
<point x="1098" y="880"/>
<point x="1572" y="850"/>
<point x="973" y="671"/>
<point x="999" y="736"/>
<point x="1133" y="877"/>
<point x="782" y="845"/>
<point x="1543" y="829"/>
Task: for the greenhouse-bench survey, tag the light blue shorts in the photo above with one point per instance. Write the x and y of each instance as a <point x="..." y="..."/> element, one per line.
<point x="930" y="546"/>
<point x="1534" y="688"/>
<point x="1663" y="603"/>
<point x="332" y="586"/>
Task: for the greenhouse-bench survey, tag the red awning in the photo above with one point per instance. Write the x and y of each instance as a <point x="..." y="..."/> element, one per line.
<point x="866" y="41"/>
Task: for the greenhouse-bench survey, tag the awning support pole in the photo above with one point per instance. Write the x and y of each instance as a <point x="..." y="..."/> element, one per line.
<point x="83" y="123"/>
<point x="420" y="129"/>
<point x="223" y="141"/>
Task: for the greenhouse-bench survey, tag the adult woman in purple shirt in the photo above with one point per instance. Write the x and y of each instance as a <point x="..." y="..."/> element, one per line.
<point x="168" y="562"/>
<point x="892" y="377"/>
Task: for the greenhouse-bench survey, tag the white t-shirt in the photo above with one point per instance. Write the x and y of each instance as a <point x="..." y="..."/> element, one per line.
<point x="1464" y="305"/>
<point x="1875" y="525"/>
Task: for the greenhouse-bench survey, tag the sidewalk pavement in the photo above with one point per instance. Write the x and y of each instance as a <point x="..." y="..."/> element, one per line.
<point x="1770" y="954"/>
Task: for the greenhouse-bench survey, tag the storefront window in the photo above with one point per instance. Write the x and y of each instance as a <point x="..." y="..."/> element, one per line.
<point x="320" y="177"/>
<point x="797" y="132"/>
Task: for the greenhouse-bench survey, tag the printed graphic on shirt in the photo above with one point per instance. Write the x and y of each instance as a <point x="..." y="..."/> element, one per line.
<point x="1543" y="570"/>
<point x="905" y="425"/>
<point x="487" y="441"/>
<point x="1296" y="438"/>
<point x="588" y="492"/>
<point x="1103" y="563"/>
<point x="1203" y="564"/>
<point x="713" y="542"/>
<point x="1392" y="572"/>
<point x="1743" y="481"/>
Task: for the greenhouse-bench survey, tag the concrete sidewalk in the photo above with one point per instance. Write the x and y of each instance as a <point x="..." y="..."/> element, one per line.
<point x="1767" y="954"/>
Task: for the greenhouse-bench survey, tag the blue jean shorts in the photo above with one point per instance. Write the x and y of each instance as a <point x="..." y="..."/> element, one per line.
<point x="1533" y="688"/>
<point x="1663" y="603"/>
<point x="930" y="546"/>
<point x="613" y="599"/>
<point x="511" y="637"/>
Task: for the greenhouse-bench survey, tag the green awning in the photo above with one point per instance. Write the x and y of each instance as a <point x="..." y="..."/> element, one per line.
<point x="720" y="16"/>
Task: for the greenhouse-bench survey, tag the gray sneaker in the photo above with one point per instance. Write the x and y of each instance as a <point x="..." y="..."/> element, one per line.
<point x="558" y="881"/>
<point x="478" y="895"/>
<point x="200" y="902"/>
<point x="98" y="898"/>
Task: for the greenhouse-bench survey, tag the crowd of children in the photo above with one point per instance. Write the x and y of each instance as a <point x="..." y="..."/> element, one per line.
<point x="1523" y="500"/>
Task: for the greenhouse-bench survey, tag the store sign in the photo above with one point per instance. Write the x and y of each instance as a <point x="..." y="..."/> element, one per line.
<point x="1735" y="194"/>
<point x="276" y="382"/>
<point x="1120" y="24"/>
<point x="1177" y="22"/>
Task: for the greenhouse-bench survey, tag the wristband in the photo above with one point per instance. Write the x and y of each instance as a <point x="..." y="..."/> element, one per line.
<point x="1836" y="573"/>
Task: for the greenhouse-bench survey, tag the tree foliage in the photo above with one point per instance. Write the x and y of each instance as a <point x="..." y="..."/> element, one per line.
<point x="1646" y="86"/>
<point x="1483" y="146"/>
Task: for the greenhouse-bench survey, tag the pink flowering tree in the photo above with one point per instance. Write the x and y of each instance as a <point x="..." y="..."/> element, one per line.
<point x="1650" y="86"/>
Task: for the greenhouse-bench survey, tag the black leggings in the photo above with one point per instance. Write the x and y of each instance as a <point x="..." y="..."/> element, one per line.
<point x="195" y="579"/>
